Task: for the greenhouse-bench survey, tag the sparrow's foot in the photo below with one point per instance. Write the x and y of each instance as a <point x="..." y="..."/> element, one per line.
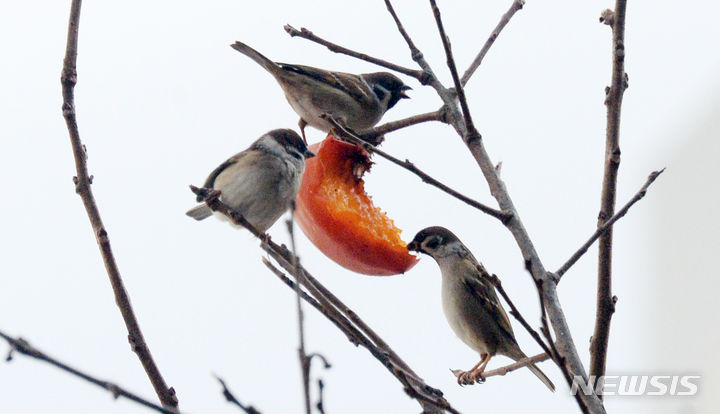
<point x="468" y="377"/>
<point x="476" y="376"/>
<point x="265" y="238"/>
<point x="463" y="377"/>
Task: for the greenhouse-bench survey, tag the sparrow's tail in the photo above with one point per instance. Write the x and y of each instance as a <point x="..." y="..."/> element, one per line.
<point x="200" y="212"/>
<point x="517" y="355"/>
<point x="541" y="375"/>
<point x="253" y="54"/>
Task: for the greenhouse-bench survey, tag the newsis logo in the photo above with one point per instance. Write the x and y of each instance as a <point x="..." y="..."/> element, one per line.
<point x="635" y="385"/>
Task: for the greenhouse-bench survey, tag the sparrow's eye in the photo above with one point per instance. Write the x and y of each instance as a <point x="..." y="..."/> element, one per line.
<point x="432" y="242"/>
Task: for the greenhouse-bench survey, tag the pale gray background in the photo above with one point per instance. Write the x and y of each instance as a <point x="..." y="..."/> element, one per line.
<point x="162" y="100"/>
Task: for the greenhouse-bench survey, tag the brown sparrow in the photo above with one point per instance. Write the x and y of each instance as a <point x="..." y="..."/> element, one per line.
<point x="470" y="302"/>
<point x="260" y="182"/>
<point x="357" y="101"/>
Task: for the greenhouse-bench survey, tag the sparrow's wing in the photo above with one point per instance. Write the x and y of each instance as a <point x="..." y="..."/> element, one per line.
<point x="353" y="85"/>
<point x="210" y="181"/>
<point x="481" y="288"/>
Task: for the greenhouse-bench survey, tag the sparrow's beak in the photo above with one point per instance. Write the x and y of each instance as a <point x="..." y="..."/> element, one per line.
<point x="308" y="154"/>
<point x="414" y="246"/>
<point x="402" y="92"/>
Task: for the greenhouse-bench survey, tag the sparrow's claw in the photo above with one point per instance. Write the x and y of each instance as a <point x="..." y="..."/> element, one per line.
<point x="265" y="238"/>
<point x="476" y="377"/>
<point x="463" y="377"/>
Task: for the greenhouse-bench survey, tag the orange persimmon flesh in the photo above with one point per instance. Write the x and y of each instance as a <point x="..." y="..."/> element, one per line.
<point x="337" y="215"/>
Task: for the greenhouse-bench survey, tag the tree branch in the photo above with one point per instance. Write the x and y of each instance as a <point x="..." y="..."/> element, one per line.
<point x="307" y="34"/>
<point x="448" y="96"/>
<point x="469" y="125"/>
<point x="82" y="186"/>
<point x="509" y="368"/>
<point x="567" y="351"/>
<point x="349" y="322"/>
<point x="607" y="225"/>
<point x="337" y="312"/>
<point x="351" y="138"/>
<point x="514" y="310"/>
<point x="302" y="355"/>
<point x="230" y="397"/>
<point x="320" y="405"/>
<point x="614" y="94"/>
<point x="514" y="7"/>
<point x="373" y="135"/>
<point x="22" y="346"/>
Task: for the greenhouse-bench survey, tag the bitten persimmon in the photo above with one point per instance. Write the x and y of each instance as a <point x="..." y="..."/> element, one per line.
<point x="337" y="215"/>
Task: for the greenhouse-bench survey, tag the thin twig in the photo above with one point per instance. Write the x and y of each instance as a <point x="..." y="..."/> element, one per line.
<point x="332" y="314"/>
<point x="514" y="7"/>
<point x="614" y="94"/>
<point x="304" y="359"/>
<point x="354" y="327"/>
<point x="374" y="135"/>
<point x="608" y="224"/>
<point x="469" y="125"/>
<point x="447" y="95"/>
<point x="567" y="351"/>
<point x="212" y="199"/>
<point x="519" y="364"/>
<point x="347" y="135"/>
<point x="545" y="329"/>
<point x="339" y="314"/>
<point x="368" y="338"/>
<point x="414" y="51"/>
<point x="307" y="34"/>
<point x="514" y="310"/>
<point x="319" y="405"/>
<point x="83" y="183"/>
<point x="23" y="347"/>
<point x="230" y="397"/>
<point x="509" y="368"/>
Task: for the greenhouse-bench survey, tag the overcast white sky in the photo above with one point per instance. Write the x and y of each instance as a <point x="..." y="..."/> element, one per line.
<point x="162" y="99"/>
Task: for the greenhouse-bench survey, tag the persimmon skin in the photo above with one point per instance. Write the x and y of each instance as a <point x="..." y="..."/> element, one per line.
<point x="334" y="212"/>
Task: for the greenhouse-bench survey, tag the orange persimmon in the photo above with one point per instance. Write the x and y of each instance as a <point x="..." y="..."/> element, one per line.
<point x="337" y="215"/>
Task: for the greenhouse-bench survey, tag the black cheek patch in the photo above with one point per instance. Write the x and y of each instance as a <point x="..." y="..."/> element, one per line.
<point x="380" y="92"/>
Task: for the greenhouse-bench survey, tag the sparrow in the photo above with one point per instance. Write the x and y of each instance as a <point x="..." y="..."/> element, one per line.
<point x="357" y="101"/>
<point x="260" y="182"/>
<point x="470" y="302"/>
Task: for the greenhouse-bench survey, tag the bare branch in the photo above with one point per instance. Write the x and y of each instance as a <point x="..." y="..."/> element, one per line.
<point x="230" y="397"/>
<point x="567" y="357"/>
<point x="514" y="7"/>
<point x="374" y="134"/>
<point x="307" y="34"/>
<point x="332" y="314"/>
<point x="514" y="310"/>
<point x="23" y="347"/>
<point x="469" y="126"/>
<point x="415" y="53"/>
<point x="614" y="94"/>
<point x="517" y="365"/>
<point x="366" y="337"/>
<point x="350" y="137"/>
<point x="82" y="186"/>
<point x="545" y="329"/>
<point x="339" y="314"/>
<point x="304" y="359"/>
<point x="607" y="225"/>
<point x="319" y="405"/>
<point x="448" y="96"/>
